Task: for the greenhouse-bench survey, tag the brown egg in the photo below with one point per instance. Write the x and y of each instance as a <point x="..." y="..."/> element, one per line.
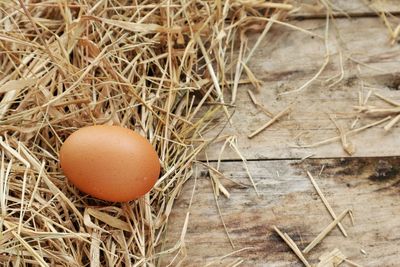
<point x="110" y="162"/>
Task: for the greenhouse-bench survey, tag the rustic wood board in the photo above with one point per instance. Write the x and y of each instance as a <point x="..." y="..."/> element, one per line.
<point x="313" y="8"/>
<point x="370" y="187"/>
<point x="285" y="60"/>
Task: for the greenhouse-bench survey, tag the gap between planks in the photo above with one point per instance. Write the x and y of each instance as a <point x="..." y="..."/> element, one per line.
<point x="299" y="159"/>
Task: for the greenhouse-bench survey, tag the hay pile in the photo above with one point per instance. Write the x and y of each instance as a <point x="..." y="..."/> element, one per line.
<point x="159" y="68"/>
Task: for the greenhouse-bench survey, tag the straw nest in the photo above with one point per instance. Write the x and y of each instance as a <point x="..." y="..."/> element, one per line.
<point x="158" y="68"/>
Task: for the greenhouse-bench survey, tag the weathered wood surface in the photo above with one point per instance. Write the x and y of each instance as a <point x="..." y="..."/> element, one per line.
<point x="313" y="8"/>
<point x="287" y="59"/>
<point x="370" y="187"/>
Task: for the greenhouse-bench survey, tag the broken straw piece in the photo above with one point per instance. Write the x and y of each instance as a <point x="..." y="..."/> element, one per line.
<point x="326" y="203"/>
<point x="327" y="141"/>
<point x="258" y="105"/>
<point x="270" y="122"/>
<point x="394" y="103"/>
<point x="333" y="258"/>
<point x="292" y="245"/>
<point x="326" y="231"/>
<point x="392" y="123"/>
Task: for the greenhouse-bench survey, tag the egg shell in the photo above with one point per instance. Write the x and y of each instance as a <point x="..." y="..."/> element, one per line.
<point x="110" y="162"/>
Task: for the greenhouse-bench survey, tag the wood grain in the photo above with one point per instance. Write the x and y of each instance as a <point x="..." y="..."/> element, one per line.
<point x="370" y="187"/>
<point x="285" y="61"/>
<point x="368" y="184"/>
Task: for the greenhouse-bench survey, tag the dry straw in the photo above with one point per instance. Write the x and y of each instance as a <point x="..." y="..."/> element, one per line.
<point x="147" y="65"/>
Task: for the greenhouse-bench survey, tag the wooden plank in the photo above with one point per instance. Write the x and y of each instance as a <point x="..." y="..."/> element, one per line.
<point x="285" y="61"/>
<point x="313" y="8"/>
<point x="369" y="187"/>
